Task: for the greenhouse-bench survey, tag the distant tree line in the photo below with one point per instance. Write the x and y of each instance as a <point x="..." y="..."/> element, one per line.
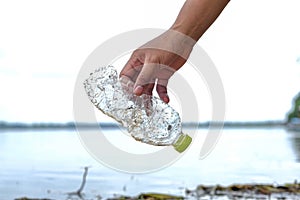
<point x="68" y="125"/>
<point x="294" y="113"/>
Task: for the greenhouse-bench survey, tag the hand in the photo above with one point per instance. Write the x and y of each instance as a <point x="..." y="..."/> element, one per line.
<point x="156" y="61"/>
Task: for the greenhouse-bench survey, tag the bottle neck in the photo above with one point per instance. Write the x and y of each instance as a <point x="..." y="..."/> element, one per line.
<point x="182" y="142"/>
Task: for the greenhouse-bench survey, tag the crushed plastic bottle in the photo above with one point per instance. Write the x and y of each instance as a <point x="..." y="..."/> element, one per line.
<point x="147" y="118"/>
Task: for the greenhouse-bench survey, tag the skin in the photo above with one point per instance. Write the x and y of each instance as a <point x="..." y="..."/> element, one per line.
<point x="157" y="60"/>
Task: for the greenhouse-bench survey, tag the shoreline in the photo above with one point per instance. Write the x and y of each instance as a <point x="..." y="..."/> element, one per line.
<point x="234" y="191"/>
<point x="73" y="125"/>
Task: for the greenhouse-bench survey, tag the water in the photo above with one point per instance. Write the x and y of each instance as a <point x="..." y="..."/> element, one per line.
<point x="49" y="164"/>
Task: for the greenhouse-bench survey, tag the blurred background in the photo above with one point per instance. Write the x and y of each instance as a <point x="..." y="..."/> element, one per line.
<point x="254" y="45"/>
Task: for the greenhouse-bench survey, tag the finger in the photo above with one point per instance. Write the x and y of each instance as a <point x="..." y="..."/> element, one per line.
<point x="164" y="73"/>
<point x="132" y="68"/>
<point x="145" y="89"/>
<point x="148" y="88"/>
<point x="162" y="91"/>
<point x="138" y="90"/>
<point x="146" y="76"/>
<point x="127" y="84"/>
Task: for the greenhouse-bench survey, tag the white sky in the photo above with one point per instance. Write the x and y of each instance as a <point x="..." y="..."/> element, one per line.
<point x="255" y="44"/>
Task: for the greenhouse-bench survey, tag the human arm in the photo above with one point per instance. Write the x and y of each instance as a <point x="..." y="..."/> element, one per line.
<point x="196" y="16"/>
<point x="157" y="60"/>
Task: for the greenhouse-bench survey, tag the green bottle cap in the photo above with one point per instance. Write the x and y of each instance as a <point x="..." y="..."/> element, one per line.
<point x="182" y="143"/>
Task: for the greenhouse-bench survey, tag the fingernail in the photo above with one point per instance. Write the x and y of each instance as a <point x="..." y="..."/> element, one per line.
<point x="138" y="90"/>
<point x="166" y="99"/>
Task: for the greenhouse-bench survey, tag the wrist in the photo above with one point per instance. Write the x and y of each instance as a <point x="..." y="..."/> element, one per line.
<point x="193" y="32"/>
<point x="184" y="38"/>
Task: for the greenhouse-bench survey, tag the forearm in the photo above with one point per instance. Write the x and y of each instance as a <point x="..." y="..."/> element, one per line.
<point x="196" y="16"/>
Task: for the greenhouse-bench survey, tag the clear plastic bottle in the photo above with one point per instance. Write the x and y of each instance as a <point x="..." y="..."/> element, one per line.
<point x="147" y="118"/>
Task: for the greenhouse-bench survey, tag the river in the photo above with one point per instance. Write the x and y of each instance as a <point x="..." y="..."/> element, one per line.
<point x="49" y="164"/>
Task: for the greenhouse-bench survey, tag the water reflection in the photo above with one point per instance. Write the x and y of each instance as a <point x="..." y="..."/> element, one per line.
<point x="295" y="143"/>
<point x="49" y="164"/>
